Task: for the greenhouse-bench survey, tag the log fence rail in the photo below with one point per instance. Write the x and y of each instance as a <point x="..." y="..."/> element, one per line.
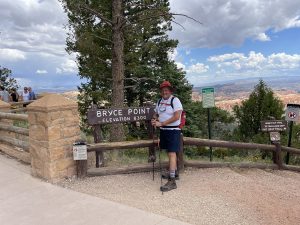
<point x="14" y="139"/>
<point x="188" y="141"/>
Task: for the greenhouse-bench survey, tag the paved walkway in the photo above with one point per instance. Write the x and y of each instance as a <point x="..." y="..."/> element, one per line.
<point x="25" y="200"/>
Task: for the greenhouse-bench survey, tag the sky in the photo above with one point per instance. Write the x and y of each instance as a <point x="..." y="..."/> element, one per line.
<point x="237" y="39"/>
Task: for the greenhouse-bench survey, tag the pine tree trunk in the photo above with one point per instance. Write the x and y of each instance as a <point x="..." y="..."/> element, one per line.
<point x="117" y="131"/>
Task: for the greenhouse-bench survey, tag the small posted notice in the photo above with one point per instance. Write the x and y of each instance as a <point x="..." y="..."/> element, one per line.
<point x="79" y="152"/>
<point x="208" y="97"/>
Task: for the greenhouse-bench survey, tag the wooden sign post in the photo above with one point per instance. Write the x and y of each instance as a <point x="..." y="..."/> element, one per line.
<point x="274" y="127"/>
<point x="208" y="101"/>
<point x="291" y="115"/>
<point x="97" y="117"/>
<point x="80" y="156"/>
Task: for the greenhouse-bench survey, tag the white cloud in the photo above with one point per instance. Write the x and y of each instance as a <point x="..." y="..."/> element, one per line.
<point x="9" y="55"/>
<point x="180" y="65"/>
<point x="69" y="66"/>
<point x="256" y="61"/>
<point x="284" y="61"/>
<point x="41" y="72"/>
<point x="198" y="68"/>
<point x="263" y="37"/>
<point x="232" y="21"/>
<point x="33" y="30"/>
<point x="224" y="57"/>
<point x="33" y="26"/>
<point x="239" y="65"/>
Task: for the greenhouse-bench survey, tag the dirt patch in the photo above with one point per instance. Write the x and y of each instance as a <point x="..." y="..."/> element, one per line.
<point x="207" y="196"/>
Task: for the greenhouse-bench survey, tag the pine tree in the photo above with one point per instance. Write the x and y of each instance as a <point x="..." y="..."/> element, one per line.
<point x="261" y="105"/>
<point x="144" y="27"/>
<point x="6" y="80"/>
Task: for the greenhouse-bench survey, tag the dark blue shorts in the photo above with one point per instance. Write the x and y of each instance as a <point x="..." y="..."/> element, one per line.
<point x="170" y="140"/>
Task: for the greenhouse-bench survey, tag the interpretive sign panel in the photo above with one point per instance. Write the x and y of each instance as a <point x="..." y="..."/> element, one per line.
<point x="208" y="97"/>
<point x="119" y="115"/>
<point x="273" y="125"/>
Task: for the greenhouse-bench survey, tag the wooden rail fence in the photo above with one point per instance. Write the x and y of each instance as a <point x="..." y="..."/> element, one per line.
<point x="12" y="145"/>
<point x="12" y="116"/>
<point x="21" y="103"/>
<point x="187" y="141"/>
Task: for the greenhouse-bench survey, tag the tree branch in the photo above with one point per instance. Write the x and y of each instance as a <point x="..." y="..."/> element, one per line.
<point x="104" y="61"/>
<point x="102" y="38"/>
<point x="138" y="79"/>
<point x="184" y="15"/>
<point x="165" y="14"/>
<point x="178" y="24"/>
<point x="96" y="13"/>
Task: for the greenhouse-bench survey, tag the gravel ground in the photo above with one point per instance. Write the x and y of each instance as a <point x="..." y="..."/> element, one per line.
<point x="207" y="196"/>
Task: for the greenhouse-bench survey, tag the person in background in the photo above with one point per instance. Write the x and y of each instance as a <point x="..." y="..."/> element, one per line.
<point x="31" y="94"/>
<point x="4" y="95"/>
<point x="14" y="95"/>
<point x="25" y="95"/>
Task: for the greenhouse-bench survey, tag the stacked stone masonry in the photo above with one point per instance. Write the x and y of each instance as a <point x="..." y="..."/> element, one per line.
<point x="53" y="128"/>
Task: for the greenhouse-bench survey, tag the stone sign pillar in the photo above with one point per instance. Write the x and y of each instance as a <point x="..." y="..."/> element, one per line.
<point x="53" y="128"/>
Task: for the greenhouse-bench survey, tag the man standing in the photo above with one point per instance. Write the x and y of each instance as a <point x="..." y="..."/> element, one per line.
<point x="168" y="110"/>
<point x="4" y="95"/>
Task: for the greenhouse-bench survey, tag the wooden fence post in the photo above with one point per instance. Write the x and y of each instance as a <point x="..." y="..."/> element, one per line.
<point x="278" y="155"/>
<point x="97" y="139"/>
<point x="81" y="167"/>
<point x="180" y="155"/>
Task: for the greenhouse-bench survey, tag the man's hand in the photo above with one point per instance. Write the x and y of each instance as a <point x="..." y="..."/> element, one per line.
<point x="156" y="123"/>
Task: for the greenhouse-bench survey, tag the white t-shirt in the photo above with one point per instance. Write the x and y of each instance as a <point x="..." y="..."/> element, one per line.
<point x="25" y="96"/>
<point x="165" y="111"/>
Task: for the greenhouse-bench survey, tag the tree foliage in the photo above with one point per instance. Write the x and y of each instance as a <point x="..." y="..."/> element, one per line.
<point x="6" y="80"/>
<point x="146" y="56"/>
<point x="146" y="49"/>
<point x="261" y="105"/>
<point x="197" y="125"/>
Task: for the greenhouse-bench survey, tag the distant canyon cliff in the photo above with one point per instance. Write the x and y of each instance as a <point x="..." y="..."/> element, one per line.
<point x="227" y="102"/>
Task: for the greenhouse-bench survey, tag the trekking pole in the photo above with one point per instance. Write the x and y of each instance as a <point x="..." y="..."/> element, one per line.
<point x="153" y="159"/>
<point x="153" y="170"/>
<point x="159" y="161"/>
<point x="153" y="152"/>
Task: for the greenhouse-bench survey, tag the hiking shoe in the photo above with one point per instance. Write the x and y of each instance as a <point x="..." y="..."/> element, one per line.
<point x="170" y="185"/>
<point x="166" y="175"/>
